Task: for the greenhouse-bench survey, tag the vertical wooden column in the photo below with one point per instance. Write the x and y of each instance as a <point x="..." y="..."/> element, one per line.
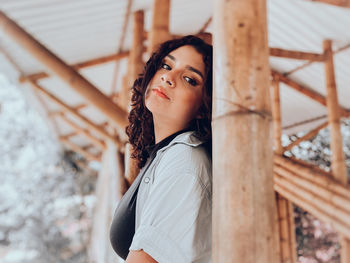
<point x="284" y="207"/>
<point x="135" y="62"/>
<point x="160" y="24"/>
<point x="338" y="160"/>
<point x="276" y="115"/>
<point x="244" y="207"/>
<point x="136" y="52"/>
<point x="135" y="68"/>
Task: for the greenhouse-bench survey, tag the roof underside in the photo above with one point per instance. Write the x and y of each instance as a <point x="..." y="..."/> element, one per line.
<point x="82" y="30"/>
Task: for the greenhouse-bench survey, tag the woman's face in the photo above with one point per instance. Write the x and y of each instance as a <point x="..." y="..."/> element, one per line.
<point x="174" y="94"/>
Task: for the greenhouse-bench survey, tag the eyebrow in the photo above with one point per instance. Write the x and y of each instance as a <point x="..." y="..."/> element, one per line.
<point x="188" y="67"/>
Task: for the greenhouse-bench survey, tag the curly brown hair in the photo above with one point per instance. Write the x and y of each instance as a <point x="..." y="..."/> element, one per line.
<point x="140" y="129"/>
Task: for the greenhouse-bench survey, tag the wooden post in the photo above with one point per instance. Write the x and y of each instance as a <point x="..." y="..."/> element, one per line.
<point x="244" y="207"/>
<point x="284" y="207"/>
<point x="136" y="66"/>
<point x="338" y="161"/>
<point x="160" y="24"/>
<point x="276" y="115"/>
<point x="64" y="71"/>
<point x="136" y="52"/>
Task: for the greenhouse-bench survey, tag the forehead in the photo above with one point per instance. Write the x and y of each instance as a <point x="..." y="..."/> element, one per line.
<point x="188" y="56"/>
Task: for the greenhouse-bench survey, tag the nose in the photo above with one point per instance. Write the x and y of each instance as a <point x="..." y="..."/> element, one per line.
<point x="168" y="79"/>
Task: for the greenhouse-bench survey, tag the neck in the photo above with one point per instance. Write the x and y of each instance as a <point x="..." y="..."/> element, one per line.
<point x="163" y="129"/>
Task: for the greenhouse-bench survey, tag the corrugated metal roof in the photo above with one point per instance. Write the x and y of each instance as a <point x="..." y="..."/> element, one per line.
<point x="81" y="30"/>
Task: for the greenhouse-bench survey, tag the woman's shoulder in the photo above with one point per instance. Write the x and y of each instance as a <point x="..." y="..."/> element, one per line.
<point x="186" y="152"/>
<point x="186" y="156"/>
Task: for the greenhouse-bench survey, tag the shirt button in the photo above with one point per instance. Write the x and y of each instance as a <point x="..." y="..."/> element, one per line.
<point x="146" y="180"/>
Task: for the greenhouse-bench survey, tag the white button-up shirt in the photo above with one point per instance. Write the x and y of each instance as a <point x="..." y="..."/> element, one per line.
<point x="173" y="208"/>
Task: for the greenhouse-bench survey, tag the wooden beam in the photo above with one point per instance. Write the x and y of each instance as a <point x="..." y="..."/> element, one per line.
<point x="314" y="204"/>
<point x="284" y="207"/>
<point x="81" y="106"/>
<point x="160" y="24"/>
<point x="307" y="92"/>
<point x="310" y="62"/>
<point x="341" y="3"/>
<point x="136" y="66"/>
<point x="206" y="25"/>
<point x="337" y="156"/>
<point x="80" y="150"/>
<point x="84" y="132"/>
<point x="87" y="147"/>
<point x="64" y="71"/>
<point x="276" y="115"/>
<point x="67" y="136"/>
<point x="315" y="191"/>
<point x="135" y="62"/>
<point x="244" y="207"/>
<point x="278" y="52"/>
<point x="313" y="174"/>
<point x="338" y="159"/>
<point x="72" y="111"/>
<point x="80" y="65"/>
<point x="306" y="137"/>
<point x="136" y="52"/>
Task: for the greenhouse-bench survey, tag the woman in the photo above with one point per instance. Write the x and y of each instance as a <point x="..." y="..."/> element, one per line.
<point x="165" y="216"/>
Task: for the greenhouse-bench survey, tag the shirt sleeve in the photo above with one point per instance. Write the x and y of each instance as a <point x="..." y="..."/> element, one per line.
<point x="175" y="223"/>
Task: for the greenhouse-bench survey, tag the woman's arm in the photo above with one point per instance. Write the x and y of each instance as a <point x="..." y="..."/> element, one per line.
<point x="139" y="256"/>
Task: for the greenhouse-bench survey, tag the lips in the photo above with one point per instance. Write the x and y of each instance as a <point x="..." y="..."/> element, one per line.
<point x="161" y="92"/>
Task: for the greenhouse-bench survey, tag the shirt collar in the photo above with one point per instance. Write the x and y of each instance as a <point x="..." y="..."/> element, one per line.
<point x="151" y="149"/>
<point x="187" y="138"/>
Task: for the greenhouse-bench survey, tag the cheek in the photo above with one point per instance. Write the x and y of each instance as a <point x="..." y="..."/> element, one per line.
<point x="192" y="100"/>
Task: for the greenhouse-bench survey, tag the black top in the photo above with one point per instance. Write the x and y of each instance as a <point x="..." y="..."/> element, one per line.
<point x="123" y="225"/>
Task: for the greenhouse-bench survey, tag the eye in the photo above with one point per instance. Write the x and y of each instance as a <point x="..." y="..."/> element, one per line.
<point x="165" y="66"/>
<point x="191" y="81"/>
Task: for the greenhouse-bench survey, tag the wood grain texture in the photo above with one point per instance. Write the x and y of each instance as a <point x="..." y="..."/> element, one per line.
<point x="244" y="207"/>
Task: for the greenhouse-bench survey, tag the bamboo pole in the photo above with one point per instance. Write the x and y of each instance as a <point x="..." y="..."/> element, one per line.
<point x="276" y="115"/>
<point x="306" y="137"/>
<point x="68" y="135"/>
<point x="64" y="71"/>
<point x="334" y="214"/>
<point x="337" y="156"/>
<point x="307" y="92"/>
<point x="285" y="217"/>
<point x="81" y="106"/>
<point x="79" y="149"/>
<point x="80" y="65"/>
<point x="311" y="62"/>
<point x="341" y="3"/>
<point x="313" y="174"/>
<point x="160" y="24"/>
<point x="306" y="205"/>
<point x="338" y="160"/>
<point x="331" y="198"/>
<point x="136" y="51"/>
<point x="278" y="52"/>
<point x="84" y="132"/>
<point x="244" y="207"/>
<point x="72" y="111"/>
<point x="136" y="66"/>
